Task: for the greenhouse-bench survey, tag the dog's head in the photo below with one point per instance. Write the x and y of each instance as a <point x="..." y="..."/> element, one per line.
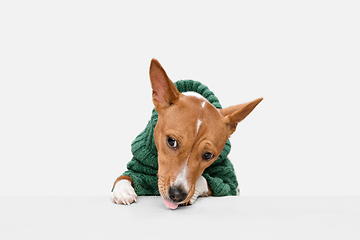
<point x="190" y="134"/>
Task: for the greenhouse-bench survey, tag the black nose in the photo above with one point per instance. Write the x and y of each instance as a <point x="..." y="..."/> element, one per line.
<point x="177" y="194"/>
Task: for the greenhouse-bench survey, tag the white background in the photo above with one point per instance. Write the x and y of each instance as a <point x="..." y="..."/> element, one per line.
<point x="74" y="89"/>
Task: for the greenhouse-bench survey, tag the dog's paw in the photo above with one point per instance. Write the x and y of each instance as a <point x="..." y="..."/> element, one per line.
<point x="185" y="204"/>
<point x="192" y="200"/>
<point x="123" y="193"/>
<point x="201" y="190"/>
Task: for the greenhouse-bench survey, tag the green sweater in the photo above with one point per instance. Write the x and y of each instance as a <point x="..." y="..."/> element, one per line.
<point x="143" y="167"/>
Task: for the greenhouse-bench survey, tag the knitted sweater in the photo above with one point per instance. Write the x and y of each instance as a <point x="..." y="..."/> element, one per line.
<point x="143" y="167"/>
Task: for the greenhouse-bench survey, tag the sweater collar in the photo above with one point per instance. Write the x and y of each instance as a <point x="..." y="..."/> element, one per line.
<point x="195" y="86"/>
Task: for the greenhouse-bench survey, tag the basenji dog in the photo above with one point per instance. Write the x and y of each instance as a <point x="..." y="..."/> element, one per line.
<point x="189" y="136"/>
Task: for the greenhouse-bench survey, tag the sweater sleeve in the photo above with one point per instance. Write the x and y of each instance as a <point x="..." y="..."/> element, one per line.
<point x="221" y="178"/>
<point x="144" y="178"/>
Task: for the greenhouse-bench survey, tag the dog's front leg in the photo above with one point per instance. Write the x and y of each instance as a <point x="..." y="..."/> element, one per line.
<point x="123" y="192"/>
<point x="201" y="190"/>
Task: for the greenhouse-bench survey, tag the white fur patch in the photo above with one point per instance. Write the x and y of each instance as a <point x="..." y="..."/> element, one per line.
<point x="181" y="179"/>
<point x="194" y="94"/>
<point x="198" y="96"/>
<point x="198" y="125"/>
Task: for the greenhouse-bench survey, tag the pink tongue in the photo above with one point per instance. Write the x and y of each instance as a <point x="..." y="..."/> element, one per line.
<point x="169" y="204"/>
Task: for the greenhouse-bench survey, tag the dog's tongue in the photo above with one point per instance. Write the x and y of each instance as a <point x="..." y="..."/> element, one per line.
<point x="170" y="204"/>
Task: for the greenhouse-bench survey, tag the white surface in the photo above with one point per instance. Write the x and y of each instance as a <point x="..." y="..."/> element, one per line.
<point x="217" y="218"/>
<point x="74" y="89"/>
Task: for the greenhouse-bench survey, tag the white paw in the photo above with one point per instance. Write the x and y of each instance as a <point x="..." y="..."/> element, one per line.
<point x="194" y="198"/>
<point x="123" y="193"/>
<point x="201" y="189"/>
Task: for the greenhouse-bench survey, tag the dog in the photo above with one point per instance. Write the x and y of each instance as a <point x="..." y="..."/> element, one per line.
<point x="182" y="153"/>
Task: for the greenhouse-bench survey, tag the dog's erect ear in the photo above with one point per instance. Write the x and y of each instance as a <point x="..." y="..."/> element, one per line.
<point x="235" y="114"/>
<point x="164" y="91"/>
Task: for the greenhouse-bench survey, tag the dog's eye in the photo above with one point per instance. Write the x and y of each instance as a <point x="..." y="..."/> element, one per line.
<point x="208" y="156"/>
<point x="172" y="142"/>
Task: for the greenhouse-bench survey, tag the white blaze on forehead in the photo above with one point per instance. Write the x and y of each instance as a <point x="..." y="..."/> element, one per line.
<point x="198" y="125"/>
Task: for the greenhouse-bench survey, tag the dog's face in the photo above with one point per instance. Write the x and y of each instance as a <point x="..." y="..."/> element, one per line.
<point x="190" y="134"/>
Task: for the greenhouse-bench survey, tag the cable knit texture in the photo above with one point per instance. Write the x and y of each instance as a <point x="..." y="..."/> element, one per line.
<point x="144" y="165"/>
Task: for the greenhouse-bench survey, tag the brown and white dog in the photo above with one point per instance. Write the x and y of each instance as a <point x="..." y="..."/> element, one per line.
<point x="186" y="143"/>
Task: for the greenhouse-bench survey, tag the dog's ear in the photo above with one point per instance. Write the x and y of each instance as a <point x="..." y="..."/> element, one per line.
<point x="164" y="91"/>
<point x="235" y="114"/>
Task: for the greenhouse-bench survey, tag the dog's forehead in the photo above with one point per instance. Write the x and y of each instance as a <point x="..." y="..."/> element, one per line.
<point x="193" y="114"/>
<point x="200" y="104"/>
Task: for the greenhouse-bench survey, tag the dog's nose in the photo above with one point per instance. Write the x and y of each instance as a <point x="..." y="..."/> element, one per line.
<point x="177" y="194"/>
